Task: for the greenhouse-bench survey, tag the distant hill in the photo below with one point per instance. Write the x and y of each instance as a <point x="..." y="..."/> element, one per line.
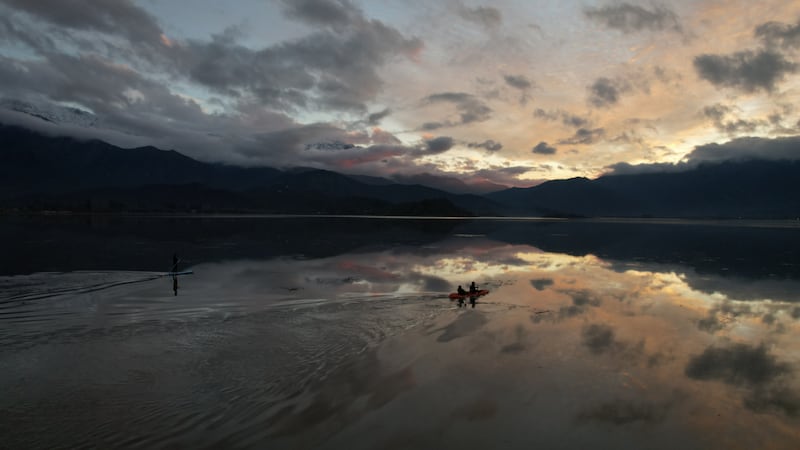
<point x="41" y="172"/>
<point x="731" y="189"/>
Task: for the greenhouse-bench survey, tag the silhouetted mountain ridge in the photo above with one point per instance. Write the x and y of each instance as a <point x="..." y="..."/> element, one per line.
<point x="40" y="172"/>
<point x="745" y="188"/>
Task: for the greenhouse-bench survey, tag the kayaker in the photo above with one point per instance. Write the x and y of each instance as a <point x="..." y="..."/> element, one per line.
<point x="473" y="288"/>
<point x="461" y="290"/>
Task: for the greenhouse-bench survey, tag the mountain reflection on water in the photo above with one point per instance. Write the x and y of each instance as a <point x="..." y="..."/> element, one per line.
<point x="337" y="333"/>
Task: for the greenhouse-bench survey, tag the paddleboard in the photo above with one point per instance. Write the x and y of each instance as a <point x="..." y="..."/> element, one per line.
<point x="173" y="274"/>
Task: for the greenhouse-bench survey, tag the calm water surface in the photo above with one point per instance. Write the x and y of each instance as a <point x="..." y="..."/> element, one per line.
<point x="338" y="333"/>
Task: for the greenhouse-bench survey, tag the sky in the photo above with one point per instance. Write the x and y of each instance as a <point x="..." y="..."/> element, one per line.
<point x="510" y="92"/>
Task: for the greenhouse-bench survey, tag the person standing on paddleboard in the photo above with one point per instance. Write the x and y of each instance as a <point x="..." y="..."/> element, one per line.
<point x="174" y="273"/>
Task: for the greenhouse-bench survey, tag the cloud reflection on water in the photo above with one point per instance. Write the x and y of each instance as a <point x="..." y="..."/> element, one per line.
<point x="596" y="346"/>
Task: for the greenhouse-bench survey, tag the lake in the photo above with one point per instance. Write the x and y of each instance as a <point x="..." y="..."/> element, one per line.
<point x="326" y="332"/>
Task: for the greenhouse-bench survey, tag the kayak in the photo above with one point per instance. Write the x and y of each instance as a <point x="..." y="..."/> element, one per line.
<point x="456" y="295"/>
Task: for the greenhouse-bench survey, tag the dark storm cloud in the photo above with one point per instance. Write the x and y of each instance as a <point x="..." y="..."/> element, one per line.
<point x="543" y="149"/>
<point x="584" y="136"/>
<point x="489" y="145"/>
<point x="334" y="67"/>
<point x="117" y="94"/>
<point x="376" y="117"/>
<point x="440" y="144"/>
<point x="520" y="82"/>
<point x="739" y="364"/>
<point x="606" y="92"/>
<point x="541" y="284"/>
<point x="469" y="107"/>
<point x="106" y="16"/>
<point x="486" y="16"/>
<point x="747" y="70"/>
<point x="630" y="18"/>
<point x="777" y="34"/>
<point x="568" y="119"/>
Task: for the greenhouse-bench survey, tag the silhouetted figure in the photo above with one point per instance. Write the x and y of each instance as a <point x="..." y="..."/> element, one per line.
<point x="472" y="300"/>
<point x="461" y="290"/>
<point x="174" y="273"/>
<point x="473" y="288"/>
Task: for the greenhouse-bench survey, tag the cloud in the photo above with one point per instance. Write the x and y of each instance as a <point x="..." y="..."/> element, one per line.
<point x="581" y="300"/>
<point x="630" y="18"/>
<point x="779" y="35"/>
<point x="380" y="136"/>
<point x="490" y="145"/>
<point x="333" y="13"/>
<point x="334" y="67"/>
<point x="751" y="368"/>
<point x="440" y="144"/>
<point x="598" y="338"/>
<point x="747" y="70"/>
<point x="623" y="412"/>
<point x="606" y="92"/>
<point x="485" y="16"/>
<point x="779" y="398"/>
<point x="584" y="298"/>
<point x="543" y="149"/>
<point x="469" y="107"/>
<point x="568" y="119"/>
<point x="739" y="364"/>
<point x="541" y="284"/>
<point x="520" y="82"/>
<point x="430" y="126"/>
<point x="584" y="136"/>
<point x="740" y="149"/>
<point x="782" y="148"/>
<point x="376" y="117"/>
<point x="110" y="17"/>
<point x="721" y="315"/>
<point x="725" y="120"/>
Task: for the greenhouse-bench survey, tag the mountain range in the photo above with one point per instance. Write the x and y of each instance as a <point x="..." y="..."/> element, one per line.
<point x="40" y="172"/>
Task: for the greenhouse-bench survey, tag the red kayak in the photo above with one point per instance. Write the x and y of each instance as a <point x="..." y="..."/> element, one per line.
<point x="456" y="295"/>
